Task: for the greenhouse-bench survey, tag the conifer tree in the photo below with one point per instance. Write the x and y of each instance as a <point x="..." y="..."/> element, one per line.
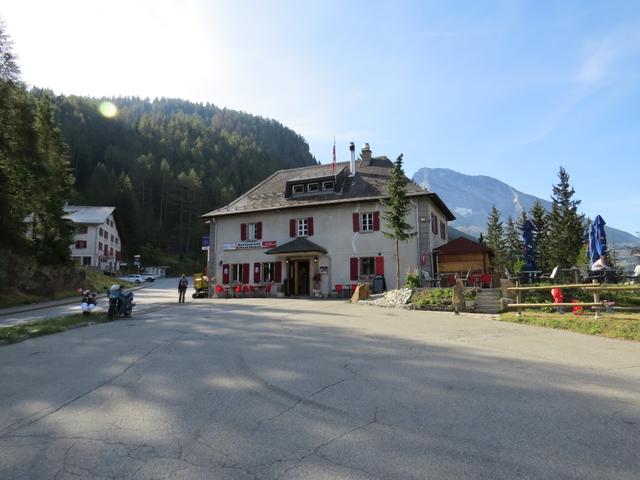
<point x="495" y="240"/>
<point x="514" y="244"/>
<point x="539" y="218"/>
<point x="398" y="208"/>
<point x="481" y="240"/>
<point x="566" y="226"/>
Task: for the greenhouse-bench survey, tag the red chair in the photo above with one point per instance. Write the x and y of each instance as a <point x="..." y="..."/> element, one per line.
<point x="485" y="279"/>
<point x="220" y="290"/>
<point x="246" y="290"/>
<point x="267" y="290"/>
<point x="339" y="290"/>
<point x="451" y="280"/>
<point x="238" y="290"/>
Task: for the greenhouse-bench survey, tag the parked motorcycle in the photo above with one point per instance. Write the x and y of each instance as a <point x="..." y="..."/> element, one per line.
<point x="88" y="301"/>
<point x="120" y="302"/>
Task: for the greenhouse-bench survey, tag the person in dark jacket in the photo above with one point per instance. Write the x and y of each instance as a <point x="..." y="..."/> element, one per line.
<point x="183" y="283"/>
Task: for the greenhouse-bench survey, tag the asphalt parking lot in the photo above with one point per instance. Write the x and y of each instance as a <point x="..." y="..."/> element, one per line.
<point x="291" y="389"/>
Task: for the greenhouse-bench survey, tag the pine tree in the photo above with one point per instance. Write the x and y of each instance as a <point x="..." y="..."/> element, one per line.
<point x="495" y="240"/>
<point x="52" y="188"/>
<point x="481" y="240"/>
<point x="514" y="245"/>
<point x="398" y="208"/>
<point x="566" y="226"/>
<point x="540" y="220"/>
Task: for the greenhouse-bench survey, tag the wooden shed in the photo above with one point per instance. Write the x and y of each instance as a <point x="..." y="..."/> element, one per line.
<point x="462" y="254"/>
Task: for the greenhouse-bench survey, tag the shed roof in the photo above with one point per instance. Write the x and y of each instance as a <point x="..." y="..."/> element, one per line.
<point x="462" y="245"/>
<point x="369" y="183"/>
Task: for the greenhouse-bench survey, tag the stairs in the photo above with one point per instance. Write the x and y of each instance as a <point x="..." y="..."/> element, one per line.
<point x="488" y="300"/>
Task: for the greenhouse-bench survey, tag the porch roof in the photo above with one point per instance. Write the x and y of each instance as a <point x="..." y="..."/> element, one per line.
<point x="297" y="245"/>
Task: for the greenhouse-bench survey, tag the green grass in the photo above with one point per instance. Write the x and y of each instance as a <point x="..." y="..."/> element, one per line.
<point x="614" y="325"/>
<point x="99" y="281"/>
<point x="18" y="333"/>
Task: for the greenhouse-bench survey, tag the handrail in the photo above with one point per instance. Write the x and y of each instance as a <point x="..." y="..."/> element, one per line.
<point x="549" y="287"/>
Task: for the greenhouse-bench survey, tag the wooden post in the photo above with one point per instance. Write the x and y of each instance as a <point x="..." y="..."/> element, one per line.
<point x="596" y="299"/>
<point x="518" y="299"/>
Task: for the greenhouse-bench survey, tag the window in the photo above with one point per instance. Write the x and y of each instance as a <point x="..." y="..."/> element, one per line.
<point x="86" y="261"/>
<point x="328" y="185"/>
<point x="251" y="231"/>
<point x="80" y="244"/>
<point x="100" y="231"/>
<point x="443" y="232"/>
<point x="303" y="227"/>
<point x="112" y="238"/>
<point x="100" y="246"/>
<point x="117" y="240"/>
<point x="313" y="187"/>
<point x="82" y="229"/>
<point x="298" y="188"/>
<point x="367" y="266"/>
<point x="111" y="251"/>
<point x="106" y="235"/>
<point x="367" y="222"/>
<point x="237" y="274"/>
<point x="434" y="223"/>
<point x="267" y="272"/>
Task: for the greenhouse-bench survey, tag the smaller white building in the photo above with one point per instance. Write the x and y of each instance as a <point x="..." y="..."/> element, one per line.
<point x="96" y="242"/>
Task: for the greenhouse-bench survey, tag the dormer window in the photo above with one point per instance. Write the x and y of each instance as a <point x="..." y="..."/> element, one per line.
<point x="313" y="187"/>
<point x="297" y="189"/>
<point x="328" y="185"/>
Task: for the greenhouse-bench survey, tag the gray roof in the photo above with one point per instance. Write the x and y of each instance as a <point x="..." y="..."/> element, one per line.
<point x="85" y="215"/>
<point x="369" y="183"/>
<point x="297" y="245"/>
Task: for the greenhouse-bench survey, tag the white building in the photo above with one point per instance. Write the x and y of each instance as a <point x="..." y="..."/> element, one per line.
<point x="309" y="228"/>
<point x="96" y="242"/>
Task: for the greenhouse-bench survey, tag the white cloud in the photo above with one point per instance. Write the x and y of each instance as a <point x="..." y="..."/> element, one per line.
<point x="462" y="211"/>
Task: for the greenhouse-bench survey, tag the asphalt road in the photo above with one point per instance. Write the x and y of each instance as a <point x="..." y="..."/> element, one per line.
<point x="295" y="389"/>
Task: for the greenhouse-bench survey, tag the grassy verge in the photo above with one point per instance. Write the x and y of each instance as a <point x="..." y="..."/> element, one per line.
<point x="614" y="325"/>
<point x="18" y="333"/>
<point x="95" y="280"/>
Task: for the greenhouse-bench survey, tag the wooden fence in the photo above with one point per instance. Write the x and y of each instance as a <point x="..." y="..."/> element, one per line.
<point x="594" y="287"/>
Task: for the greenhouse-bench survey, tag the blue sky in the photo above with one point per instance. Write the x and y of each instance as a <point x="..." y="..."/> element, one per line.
<point x="510" y="89"/>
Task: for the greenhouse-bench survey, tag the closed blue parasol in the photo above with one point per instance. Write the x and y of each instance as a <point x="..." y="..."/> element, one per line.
<point x="597" y="239"/>
<point x="529" y="247"/>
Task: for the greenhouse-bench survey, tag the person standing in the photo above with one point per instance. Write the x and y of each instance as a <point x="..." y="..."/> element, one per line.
<point x="183" y="283"/>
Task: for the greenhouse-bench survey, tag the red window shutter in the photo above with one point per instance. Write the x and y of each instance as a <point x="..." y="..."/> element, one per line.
<point x="245" y="273"/>
<point x="256" y="272"/>
<point x="356" y="222"/>
<point x="435" y="224"/>
<point x="443" y="234"/>
<point x="243" y="231"/>
<point x="376" y="221"/>
<point x="310" y="226"/>
<point x="259" y="231"/>
<point x="379" y="265"/>
<point x="277" y="275"/>
<point x="292" y="227"/>
<point x="354" y="268"/>
<point x="225" y="273"/>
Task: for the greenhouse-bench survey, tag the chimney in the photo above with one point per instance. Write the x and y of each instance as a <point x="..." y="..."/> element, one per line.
<point x="352" y="148"/>
<point x="366" y="154"/>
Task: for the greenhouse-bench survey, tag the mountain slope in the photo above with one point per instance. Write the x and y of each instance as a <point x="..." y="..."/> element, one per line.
<point x="471" y="197"/>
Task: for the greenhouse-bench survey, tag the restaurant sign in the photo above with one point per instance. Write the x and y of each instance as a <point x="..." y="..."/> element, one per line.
<point x="249" y="244"/>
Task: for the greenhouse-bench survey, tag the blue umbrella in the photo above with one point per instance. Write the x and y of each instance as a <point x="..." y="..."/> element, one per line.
<point x="597" y="239"/>
<point x="529" y="246"/>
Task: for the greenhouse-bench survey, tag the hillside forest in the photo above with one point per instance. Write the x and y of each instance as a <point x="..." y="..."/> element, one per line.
<point x="162" y="163"/>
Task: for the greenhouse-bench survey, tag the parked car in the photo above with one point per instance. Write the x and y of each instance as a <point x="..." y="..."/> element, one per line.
<point x="149" y="277"/>
<point x="133" y="278"/>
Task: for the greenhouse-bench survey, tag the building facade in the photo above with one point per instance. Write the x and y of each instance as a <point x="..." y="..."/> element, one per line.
<point x="318" y="229"/>
<point x="96" y="242"/>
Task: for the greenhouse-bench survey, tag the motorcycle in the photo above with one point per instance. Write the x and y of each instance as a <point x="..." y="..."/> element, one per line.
<point x="120" y="302"/>
<point x="88" y="302"/>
